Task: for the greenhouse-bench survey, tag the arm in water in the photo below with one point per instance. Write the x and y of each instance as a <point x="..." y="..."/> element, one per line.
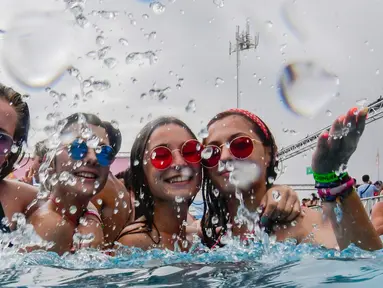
<point x="348" y="218"/>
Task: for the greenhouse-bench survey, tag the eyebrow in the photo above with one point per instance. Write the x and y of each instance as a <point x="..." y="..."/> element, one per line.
<point x="217" y="143"/>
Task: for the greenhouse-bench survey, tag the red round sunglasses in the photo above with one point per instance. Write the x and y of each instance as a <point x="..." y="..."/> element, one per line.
<point x="161" y="157"/>
<point x="240" y="147"/>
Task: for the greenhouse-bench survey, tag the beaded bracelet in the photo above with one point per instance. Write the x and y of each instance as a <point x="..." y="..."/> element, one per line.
<point x="331" y="194"/>
<point x="329" y="177"/>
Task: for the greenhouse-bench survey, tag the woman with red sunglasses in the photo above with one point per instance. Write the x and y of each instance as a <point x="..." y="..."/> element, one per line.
<point x="165" y="176"/>
<point x="239" y="142"/>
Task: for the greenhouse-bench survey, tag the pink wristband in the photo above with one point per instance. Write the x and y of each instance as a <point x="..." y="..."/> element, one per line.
<point x="336" y="191"/>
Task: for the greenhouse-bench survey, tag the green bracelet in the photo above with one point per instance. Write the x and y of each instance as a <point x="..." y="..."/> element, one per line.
<point x="328" y="178"/>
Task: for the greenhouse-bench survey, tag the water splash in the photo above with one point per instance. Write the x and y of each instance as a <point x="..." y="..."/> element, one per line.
<point x="159" y="94"/>
<point x="140" y="59"/>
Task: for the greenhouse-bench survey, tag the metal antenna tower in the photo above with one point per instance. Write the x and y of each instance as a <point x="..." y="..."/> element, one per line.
<point x="244" y="42"/>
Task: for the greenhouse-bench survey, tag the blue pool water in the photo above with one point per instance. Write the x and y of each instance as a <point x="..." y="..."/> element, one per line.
<point x="284" y="265"/>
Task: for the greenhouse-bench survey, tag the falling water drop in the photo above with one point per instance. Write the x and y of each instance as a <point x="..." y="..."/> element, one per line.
<point x="203" y="133"/>
<point x="115" y="124"/>
<point x="219" y="81"/>
<point x="191" y="106"/>
<point x="328" y="113"/>
<point x="276" y="195"/>
<point x="110" y="62"/>
<point x="100" y="40"/>
<point x="72" y="209"/>
<point x="157" y="7"/>
<point x="219" y="3"/>
<point x="123" y="42"/>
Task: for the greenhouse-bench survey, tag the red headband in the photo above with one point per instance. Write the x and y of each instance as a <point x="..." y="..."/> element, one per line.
<point x="253" y="118"/>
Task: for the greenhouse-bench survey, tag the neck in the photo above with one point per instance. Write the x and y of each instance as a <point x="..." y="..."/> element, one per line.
<point x="169" y="219"/>
<point x="71" y="205"/>
<point x="251" y="200"/>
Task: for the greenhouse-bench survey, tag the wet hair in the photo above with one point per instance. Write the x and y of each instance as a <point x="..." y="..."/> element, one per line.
<point x="135" y="176"/>
<point x="41" y="150"/>
<point x="366" y="178"/>
<point x="216" y="206"/>
<point x="114" y="136"/>
<point x="120" y="175"/>
<point x="22" y="127"/>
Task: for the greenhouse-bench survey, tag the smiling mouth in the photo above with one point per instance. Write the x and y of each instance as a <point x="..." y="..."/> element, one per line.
<point x="86" y="175"/>
<point x="178" y="179"/>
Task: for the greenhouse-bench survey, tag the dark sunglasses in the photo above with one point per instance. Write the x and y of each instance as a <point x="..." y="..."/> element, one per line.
<point x="78" y="149"/>
<point x="6" y="143"/>
<point x="161" y="157"/>
<point x="240" y="147"/>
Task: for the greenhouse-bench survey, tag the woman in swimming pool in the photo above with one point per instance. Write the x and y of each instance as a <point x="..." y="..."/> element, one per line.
<point x="81" y="166"/>
<point x="14" y="125"/>
<point x="165" y="177"/>
<point x="237" y="139"/>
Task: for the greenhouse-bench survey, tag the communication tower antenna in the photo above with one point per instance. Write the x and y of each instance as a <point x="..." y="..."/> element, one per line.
<point x="244" y="41"/>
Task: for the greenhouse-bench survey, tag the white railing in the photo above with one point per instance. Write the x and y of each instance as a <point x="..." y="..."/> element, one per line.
<point x="369" y="202"/>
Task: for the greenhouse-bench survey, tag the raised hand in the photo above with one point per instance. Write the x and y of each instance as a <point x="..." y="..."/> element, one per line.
<point x="336" y="146"/>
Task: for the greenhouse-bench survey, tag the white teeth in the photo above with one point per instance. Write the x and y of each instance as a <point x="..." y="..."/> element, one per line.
<point x="179" y="179"/>
<point x="86" y="175"/>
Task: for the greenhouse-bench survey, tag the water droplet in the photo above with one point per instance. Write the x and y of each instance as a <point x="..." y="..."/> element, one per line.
<point x="101" y="85"/>
<point x="377" y="72"/>
<point x="72" y="209"/>
<point x="157" y="7"/>
<point x="136" y="203"/>
<point x="26" y="97"/>
<point x="219" y="81"/>
<point x="276" y="195"/>
<point x="64" y="176"/>
<point x="100" y="40"/>
<point x="96" y="184"/>
<point x="14" y="148"/>
<point x="62" y="97"/>
<point x="92" y="54"/>
<point x="179" y="199"/>
<point x="219" y="3"/>
<point x="121" y="194"/>
<point x="209" y="232"/>
<point x="159" y="94"/>
<point x="82" y="21"/>
<point x="108" y="14"/>
<point x="203" y="133"/>
<point x="328" y="113"/>
<point x="305" y="88"/>
<point x="185" y="244"/>
<point x="136" y="162"/>
<point x="293" y="223"/>
<point x="214" y="220"/>
<point x="123" y="42"/>
<point x="140" y="59"/>
<point x="110" y="62"/>
<point x="30" y="62"/>
<point x="182" y="12"/>
<point x="145" y="16"/>
<point x="115" y="124"/>
<point x="134" y="80"/>
<point x="259" y="81"/>
<point x="71" y="180"/>
<point x="269" y="24"/>
<point x="191" y="106"/>
<point x="99" y="201"/>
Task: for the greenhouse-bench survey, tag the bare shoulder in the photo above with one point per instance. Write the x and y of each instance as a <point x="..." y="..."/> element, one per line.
<point x="377" y="210"/>
<point x="21" y="190"/>
<point x="135" y="235"/>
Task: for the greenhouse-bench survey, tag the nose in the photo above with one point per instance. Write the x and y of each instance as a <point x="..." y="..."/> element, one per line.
<point x="225" y="153"/>
<point x="90" y="158"/>
<point x="178" y="159"/>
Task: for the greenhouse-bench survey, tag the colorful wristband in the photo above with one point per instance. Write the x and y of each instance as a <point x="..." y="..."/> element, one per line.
<point x="328" y="178"/>
<point x="330" y="194"/>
